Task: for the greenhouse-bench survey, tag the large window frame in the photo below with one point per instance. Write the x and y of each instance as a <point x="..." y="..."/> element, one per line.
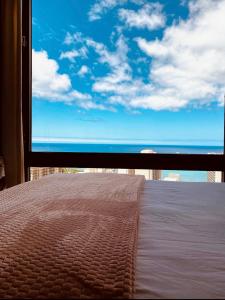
<point x="193" y="162"/>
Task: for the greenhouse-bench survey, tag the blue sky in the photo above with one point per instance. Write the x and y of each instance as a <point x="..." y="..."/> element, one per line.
<point x="132" y="70"/>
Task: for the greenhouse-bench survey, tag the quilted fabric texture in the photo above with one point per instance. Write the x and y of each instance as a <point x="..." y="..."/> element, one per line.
<point x="70" y="236"/>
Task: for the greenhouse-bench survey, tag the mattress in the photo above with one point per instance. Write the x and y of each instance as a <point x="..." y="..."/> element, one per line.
<point x="181" y="242"/>
<point x="181" y="246"/>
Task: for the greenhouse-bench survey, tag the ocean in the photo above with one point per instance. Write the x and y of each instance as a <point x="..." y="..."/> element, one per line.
<point x="193" y="176"/>
<point x="120" y="148"/>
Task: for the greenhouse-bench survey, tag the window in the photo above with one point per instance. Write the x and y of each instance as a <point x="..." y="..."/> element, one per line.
<point x="125" y="84"/>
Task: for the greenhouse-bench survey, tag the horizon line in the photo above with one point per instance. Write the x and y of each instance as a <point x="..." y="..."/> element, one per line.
<point x="212" y="143"/>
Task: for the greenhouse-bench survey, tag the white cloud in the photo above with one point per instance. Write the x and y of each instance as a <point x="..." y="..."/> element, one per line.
<point x="82" y="51"/>
<point x="75" y="38"/>
<point x="186" y="66"/>
<point x="70" y="55"/>
<point x="120" y="86"/>
<point x="155" y="47"/>
<point x="46" y="79"/>
<point x="187" y="61"/>
<point x="50" y="85"/>
<point x="77" y="41"/>
<point x="101" y="7"/>
<point x="150" y="16"/>
<point x="117" y="61"/>
<point x="83" y="71"/>
<point x="68" y="39"/>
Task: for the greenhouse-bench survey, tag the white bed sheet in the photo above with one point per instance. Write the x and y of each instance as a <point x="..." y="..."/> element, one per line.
<point x="181" y="247"/>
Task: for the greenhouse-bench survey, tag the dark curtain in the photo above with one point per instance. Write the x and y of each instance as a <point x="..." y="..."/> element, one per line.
<point x="11" y="91"/>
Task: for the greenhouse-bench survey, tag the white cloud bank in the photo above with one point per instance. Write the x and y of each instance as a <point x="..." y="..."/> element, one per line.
<point x="186" y="68"/>
<point x="150" y="16"/>
<point x="49" y="84"/>
<point x="188" y="62"/>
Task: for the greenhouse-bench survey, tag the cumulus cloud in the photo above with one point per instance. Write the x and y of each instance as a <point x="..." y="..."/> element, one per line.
<point x="49" y="84"/>
<point x="187" y="61"/>
<point x="150" y="16"/>
<point x="47" y="81"/>
<point x="152" y="47"/>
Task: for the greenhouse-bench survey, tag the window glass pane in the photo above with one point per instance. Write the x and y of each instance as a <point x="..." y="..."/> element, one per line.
<point x="127" y="76"/>
<point x="183" y="176"/>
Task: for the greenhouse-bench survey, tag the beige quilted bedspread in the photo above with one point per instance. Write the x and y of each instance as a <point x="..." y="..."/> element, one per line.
<point x="70" y="236"/>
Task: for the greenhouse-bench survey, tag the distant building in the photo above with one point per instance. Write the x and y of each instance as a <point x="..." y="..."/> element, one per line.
<point x="37" y="173"/>
<point x="100" y="170"/>
<point x="214" y="176"/>
<point x="149" y="174"/>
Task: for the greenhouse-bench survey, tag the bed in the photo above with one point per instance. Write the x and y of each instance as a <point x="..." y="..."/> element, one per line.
<point x="181" y="247"/>
<point x="180" y="244"/>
